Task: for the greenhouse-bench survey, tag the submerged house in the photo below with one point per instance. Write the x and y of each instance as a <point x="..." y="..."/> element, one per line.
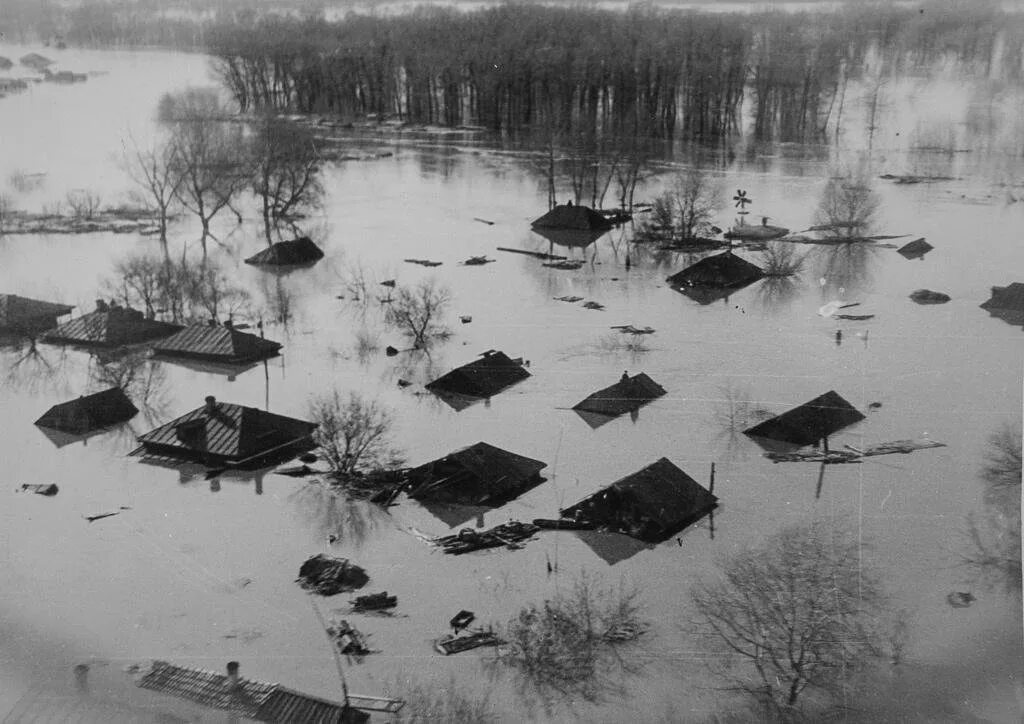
<point x="222" y="433"/>
<point x="110" y="326"/>
<point x="719" y="271"/>
<point x="915" y="249"/>
<point x="217" y="343"/>
<point x="810" y="423"/>
<point x="257" y="700"/>
<point x="6" y="63"/>
<point x="21" y="315"/>
<point x="484" y="377"/>
<point x="1007" y="303"/>
<point x="12" y="85"/>
<point x="568" y="216"/>
<point x="35" y="61"/>
<point x="89" y="412"/>
<point x="480" y="474"/>
<point x="651" y="504"/>
<point x="627" y="395"/>
<point x="288" y="253"/>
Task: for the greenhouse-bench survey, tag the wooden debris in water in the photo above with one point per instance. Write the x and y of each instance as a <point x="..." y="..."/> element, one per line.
<point x="483" y="221"/>
<point x="454" y="644"/>
<point x="348" y="639"/>
<point x="467" y="540"/>
<point x="569" y="264"/>
<point x="569" y="298"/>
<point x="594" y="305"/>
<point x="896" y="446"/>
<point x="853" y="454"/>
<point x="535" y="254"/>
<point x="47" y="489"/>
<point x="928" y="296"/>
<point x="914" y="179"/>
<point x="106" y="514"/>
<point x="423" y="262"/>
<point x="630" y="329"/>
<point x="478" y="261"/>
<point x="374" y="602"/>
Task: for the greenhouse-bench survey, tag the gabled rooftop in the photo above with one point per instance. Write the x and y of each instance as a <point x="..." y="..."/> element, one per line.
<point x="217" y="343"/>
<point x="1007" y="303"/>
<point x="480" y="474"/>
<point x="650" y="504"/>
<point x="915" y="249"/>
<point x="222" y="432"/>
<point x="810" y="422"/>
<point x="725" y="270"/>
<point x="110" y="327"/>
<point x="254" y="700"/>
<point x="21" y="314"/>
<point x="483" y="377"/>
<point x="89" y="412"/>
<point x="568" y="216"/>
<point x="287" y="253"/>
<point x="626" y="395"/>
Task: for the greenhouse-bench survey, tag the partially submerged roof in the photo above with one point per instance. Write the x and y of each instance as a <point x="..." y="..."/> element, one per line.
<point x="254" y="700"/>
<point x="626" y="395"/>
<point x="90" y="412"/>
<point x="21" y="314"/>
<point x="575" y="238"/>
<point x="568" y="216"/>
<point x="35" y="61"/>
<point x="725" y="270"/>
<point x="1007" y="303"/>
<point x="915" y="249"/>
<point x="810" y="422"/>
<point x="650" y="504"/>
<point x="5" y="63"/>
<point x="219" y="343"/>
<point x="285" y="253"/>
<point x="483" y="377"/>
<point x="480" y="474"/>
<point x="225" y="432"/>
<point x="111" y="327"/>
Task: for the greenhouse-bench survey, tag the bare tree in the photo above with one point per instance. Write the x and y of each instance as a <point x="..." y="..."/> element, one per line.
<point x="210" y="156"/>
<point x="696" y="197"/>
<point x="354" y="434"/>
<point x="286" y="170"/>
<point x="83" y="202"/>
<point x="142" y="280"/>
<point x="158" y="178"/>
<point x="799" y="613"/>
<point x="419" y="311"/>
<point x="6" y="210"/>
<point x="848" y="207"/>
<point x="212" y="291"/>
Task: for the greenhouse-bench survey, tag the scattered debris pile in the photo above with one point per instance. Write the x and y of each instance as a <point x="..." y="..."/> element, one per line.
<point x="374" y="602"/>
<point x="327" y="575"/>
<point x="457" y="643"/>
<point x="349" y="640"/>
<point x="511" y="535"/>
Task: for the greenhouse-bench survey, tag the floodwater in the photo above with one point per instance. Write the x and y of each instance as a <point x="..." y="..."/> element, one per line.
<point x="201" y="572"/>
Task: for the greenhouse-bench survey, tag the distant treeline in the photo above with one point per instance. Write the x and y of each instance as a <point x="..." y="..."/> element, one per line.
<point x="641" y="72"/>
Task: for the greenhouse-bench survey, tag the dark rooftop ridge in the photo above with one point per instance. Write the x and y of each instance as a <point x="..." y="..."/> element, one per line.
<point x="810" y="422"/>
<point x="480" y="474"/>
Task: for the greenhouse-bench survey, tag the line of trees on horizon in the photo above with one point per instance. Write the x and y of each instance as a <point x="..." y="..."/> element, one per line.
<point x="642" y="72"/>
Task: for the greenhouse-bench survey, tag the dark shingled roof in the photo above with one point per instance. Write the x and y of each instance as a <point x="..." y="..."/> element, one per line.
<point x="572" y="217"/>
<point x="89" y="413"/>
<point x="483" y="377"/>
<point x="110" y="328"/>
<point x="724" y="270"/>
<point x="651" y="504"/>
<point x="224" y="432"/>
<point x="624" y="396"/>
<point x="222" y="344"/>
<point x="480" y="474"/>
<point x="915" y="249"/>
<point x="810" y="422"/>
<point x="285" y="253"/>
<point x="21" y="314"/>
<point x="253" y="700"/>
<point x="1007" y="303"/>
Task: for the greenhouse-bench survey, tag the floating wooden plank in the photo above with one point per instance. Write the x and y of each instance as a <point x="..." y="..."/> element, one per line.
<point x="535" y="254"/>
<point x="896" y="446"/>
<point x="450" y="644"/>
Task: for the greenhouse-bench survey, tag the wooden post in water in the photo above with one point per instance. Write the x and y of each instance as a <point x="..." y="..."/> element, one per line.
<point x="711" y="483"/>
<point x="711" y="513"/>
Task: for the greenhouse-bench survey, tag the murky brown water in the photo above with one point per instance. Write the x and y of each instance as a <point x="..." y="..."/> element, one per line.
<point x="165" y="578"/>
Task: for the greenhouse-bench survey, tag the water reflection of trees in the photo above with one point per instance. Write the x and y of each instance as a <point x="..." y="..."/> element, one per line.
<point x="848" y="207"/>
<point x="143" y="380"/>
<point x="774" y="293"/>
<point x="994" y="551"/>
<point x="845" y="268"/>
<point x="331" y="512"/>
<point x="33" y="369"/>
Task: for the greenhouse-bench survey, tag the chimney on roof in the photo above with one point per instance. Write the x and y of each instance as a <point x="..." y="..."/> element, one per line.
<point x="232" y="682"/>
<point x="101" y="306"/>
<point x="211" y="404"/>
<point x="228" y="324"/>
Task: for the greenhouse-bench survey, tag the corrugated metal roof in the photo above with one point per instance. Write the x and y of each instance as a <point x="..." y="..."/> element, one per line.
<point x="252" y="699"/>
<point x="480" y="474"/>
<point x="90" y="412"/>
<point x="624" y="396"/>
<point x="228" y="431"/>
<point x="111" y="328"/>
<point x="21" y="312"/>
<point x="483" y="377"/>
<point x="217" y="342"/>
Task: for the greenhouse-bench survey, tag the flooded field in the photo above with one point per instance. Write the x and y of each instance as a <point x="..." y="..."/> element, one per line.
<point x="200" y="572"/>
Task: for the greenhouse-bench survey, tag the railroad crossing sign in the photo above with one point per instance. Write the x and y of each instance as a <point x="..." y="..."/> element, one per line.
<point x="741" y="200"/>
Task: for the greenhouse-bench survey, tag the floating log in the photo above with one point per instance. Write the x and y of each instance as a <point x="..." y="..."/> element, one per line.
<point x="535" y="254"/>
<point x="423" y="262"/>
<point x="563" y="524"/>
